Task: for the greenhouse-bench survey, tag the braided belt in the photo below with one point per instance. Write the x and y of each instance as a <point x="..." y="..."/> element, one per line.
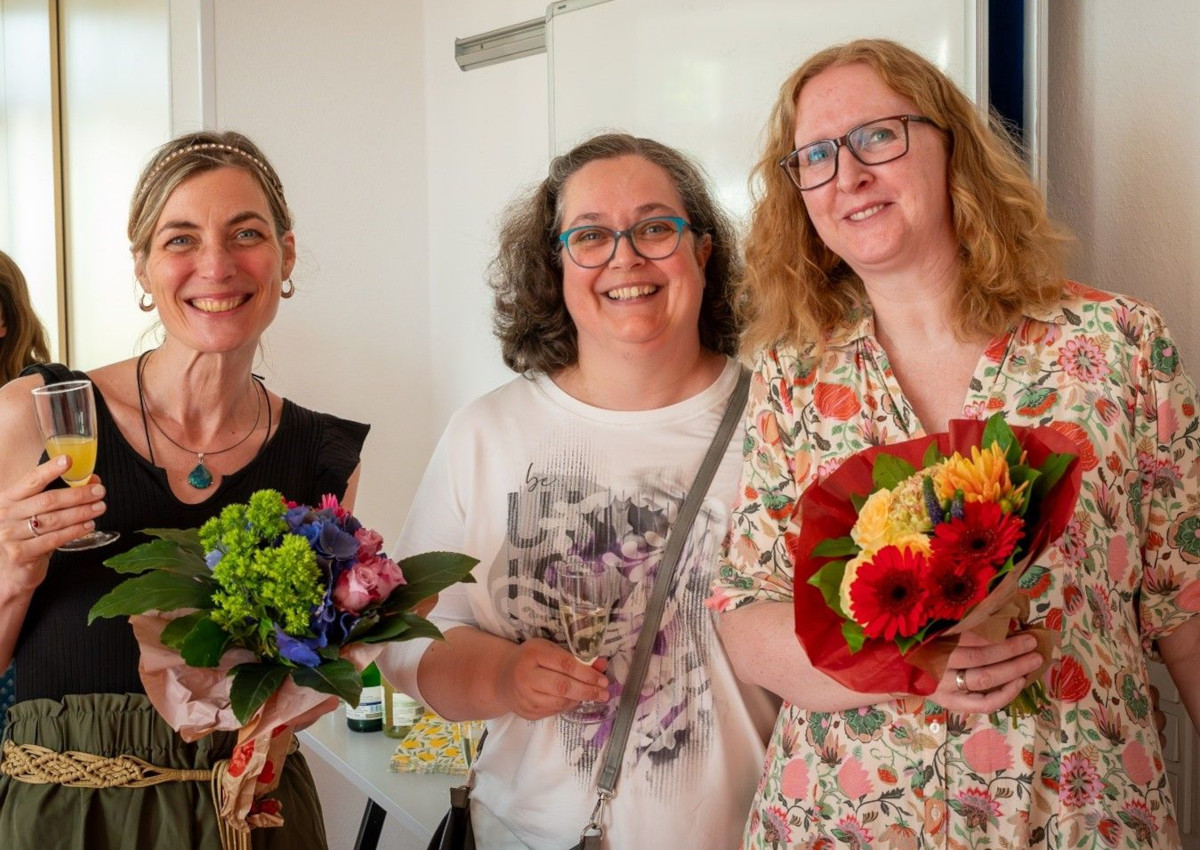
<point x="36" y="765"/>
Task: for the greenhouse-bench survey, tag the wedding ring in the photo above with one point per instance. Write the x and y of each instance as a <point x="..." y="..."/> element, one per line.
<point x="960" y="682"/>
<point x="34" y="525"/>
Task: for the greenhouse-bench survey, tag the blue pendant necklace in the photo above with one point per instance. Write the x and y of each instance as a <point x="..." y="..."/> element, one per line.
<point x="199" y="477"/>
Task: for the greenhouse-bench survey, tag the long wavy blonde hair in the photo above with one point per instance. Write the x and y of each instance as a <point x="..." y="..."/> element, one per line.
<point x="795" y="289"/>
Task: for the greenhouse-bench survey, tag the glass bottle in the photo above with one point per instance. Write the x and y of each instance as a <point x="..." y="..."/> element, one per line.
<point x="367" y="716"/>
<point x="400" y="712"/>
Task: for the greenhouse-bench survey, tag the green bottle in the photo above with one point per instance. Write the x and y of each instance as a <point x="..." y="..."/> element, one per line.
<point x="367" y="716"/>
<point x="400" y="712"/>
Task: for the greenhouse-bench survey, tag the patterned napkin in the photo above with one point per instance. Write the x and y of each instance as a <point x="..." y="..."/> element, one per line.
<point x="436" y="746"/>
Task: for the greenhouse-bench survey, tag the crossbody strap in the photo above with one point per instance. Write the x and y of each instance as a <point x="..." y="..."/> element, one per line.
<point x="606" y="784"/>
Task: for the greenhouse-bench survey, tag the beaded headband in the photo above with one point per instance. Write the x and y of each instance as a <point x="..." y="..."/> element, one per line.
<point x="205" y="146"/>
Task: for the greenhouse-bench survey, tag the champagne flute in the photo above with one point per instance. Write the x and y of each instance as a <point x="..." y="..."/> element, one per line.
<point x="66" y="416"/>
<point x="586" y="595"/>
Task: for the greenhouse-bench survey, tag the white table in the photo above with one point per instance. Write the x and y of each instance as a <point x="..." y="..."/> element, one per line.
<point x="416" y="800"/>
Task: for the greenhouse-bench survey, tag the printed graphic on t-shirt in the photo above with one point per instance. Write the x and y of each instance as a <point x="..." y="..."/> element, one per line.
<point x="562" y="512"/>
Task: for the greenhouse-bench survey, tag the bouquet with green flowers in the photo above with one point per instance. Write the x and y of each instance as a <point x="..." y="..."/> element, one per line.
<point x="260" y="621"/>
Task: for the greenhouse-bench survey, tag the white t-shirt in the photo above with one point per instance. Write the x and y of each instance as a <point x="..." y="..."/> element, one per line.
<point x="527" y="474"/>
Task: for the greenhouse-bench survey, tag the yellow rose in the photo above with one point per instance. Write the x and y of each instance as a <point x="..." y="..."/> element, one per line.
<point x="848" y="579"/>
<point x="871" y="529"/>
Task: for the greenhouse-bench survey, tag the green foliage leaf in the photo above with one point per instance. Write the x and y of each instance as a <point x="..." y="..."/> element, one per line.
<point x="187" y="539"/>
<point x="836" y="547"/>
<point x="997" y="432"/>
<point x="828" y="580"/>
<point x="853" y="634"/>
<point x="364" y="625"/>
<point x="338" y="677"/>
<point x="405" y="626"/>
<point x="161" y="555"/>
<point x="890" y="470"/>
<point x="205" y="644"/>
<point x="252" y="685"/>
<point x="156" y="591"/>
<point x="176" y="630"/>
<point x="426" y="574"/>
<point x="933" y="455"/>
<point x="1052" y="471"/>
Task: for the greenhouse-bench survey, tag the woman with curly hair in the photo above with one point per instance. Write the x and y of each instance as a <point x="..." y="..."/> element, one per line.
<point x="612" y="294"/>
<point x="902" y="272"/>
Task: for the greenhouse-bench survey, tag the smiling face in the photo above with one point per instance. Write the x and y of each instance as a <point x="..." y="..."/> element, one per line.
<point x="631" y="306"/>
<point x="215" y="266"/>
<point x="894" y="217"/>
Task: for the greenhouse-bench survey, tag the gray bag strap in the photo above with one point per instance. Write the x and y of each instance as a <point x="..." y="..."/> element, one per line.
<point x="606" y="784"/>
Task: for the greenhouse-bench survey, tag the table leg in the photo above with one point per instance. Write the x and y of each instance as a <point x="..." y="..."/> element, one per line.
<point x="370" y="827"/>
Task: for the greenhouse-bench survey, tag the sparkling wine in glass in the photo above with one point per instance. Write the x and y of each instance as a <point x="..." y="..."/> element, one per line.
<point x="66" y="416"/>
<point x="586" y="595"/>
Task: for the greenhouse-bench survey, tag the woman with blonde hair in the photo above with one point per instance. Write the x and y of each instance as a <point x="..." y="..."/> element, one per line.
<point x="184" y="430"/>
<point x="902" y="271"/>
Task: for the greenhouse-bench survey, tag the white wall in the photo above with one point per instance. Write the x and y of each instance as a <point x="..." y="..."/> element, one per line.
<point x="1123" y="172"/>
<point x="334" y="94"/>
<point x="1124" y="91"/>
<point x="488" y="138"/>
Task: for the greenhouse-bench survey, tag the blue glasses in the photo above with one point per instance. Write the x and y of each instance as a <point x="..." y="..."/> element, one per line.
<point x="592" y="246"/>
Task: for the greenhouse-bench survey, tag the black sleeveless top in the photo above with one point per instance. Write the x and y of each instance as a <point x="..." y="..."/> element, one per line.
<point x="58" y="653"/>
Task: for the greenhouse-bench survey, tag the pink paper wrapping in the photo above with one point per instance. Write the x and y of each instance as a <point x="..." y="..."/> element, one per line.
<point x="194" y="701"/>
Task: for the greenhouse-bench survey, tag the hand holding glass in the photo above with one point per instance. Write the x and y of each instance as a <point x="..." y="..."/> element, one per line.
<point x="586" y="595"/>
<point x="66" y="417"/>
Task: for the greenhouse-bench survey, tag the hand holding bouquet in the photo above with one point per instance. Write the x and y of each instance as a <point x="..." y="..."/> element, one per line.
<point x="260" y="621"/>
<point x="904" y="548"/>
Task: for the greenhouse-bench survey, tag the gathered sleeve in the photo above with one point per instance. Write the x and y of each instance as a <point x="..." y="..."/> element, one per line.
<point x="776" y="467"/>
<point x="339" y="450"/>
<point x="1165" y="498"/>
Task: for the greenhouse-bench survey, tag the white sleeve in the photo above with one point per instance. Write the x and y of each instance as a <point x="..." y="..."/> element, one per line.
<point x="436" y="522"/>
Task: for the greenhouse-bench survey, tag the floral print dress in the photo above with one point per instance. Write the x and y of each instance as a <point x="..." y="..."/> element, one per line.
<point x="1088" y="771"/>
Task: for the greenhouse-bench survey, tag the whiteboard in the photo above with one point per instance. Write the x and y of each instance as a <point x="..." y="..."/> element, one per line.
<point x="717" y="66"/>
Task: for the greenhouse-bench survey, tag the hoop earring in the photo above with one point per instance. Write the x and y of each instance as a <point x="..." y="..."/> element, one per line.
<point x="288" y="289"/>
<point x="146" y="302"/>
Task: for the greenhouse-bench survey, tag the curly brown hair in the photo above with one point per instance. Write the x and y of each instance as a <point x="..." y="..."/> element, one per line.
<point x="796" y="289"/>
<point x="531" y="320"/>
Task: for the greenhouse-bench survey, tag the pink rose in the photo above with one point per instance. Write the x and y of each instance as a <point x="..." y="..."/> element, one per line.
<point x="370" y="580"/>
<point x="369" y="543"/>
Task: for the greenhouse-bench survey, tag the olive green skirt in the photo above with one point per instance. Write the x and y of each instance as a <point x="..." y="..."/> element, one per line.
<point x="170" y="815"/>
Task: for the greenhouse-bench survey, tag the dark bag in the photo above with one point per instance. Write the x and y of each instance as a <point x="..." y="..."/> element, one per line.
<point x="455" y="832"/>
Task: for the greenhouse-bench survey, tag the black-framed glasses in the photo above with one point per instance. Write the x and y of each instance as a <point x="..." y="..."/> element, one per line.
<point x="592" y="246"/>
<point x="872" y="143"/>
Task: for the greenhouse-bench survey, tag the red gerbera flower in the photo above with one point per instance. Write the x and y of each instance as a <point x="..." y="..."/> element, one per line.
<point x="954" y="587"/>
<point x="887" y="594"/>
<point x="984" y="535"/>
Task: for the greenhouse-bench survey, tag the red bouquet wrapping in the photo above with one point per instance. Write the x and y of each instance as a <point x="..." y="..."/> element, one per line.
<point x="905" y="548"/>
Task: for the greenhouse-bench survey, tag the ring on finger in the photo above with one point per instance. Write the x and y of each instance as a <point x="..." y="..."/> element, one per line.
<point x="34" y="524"/>
<point x="960" y="682"/>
